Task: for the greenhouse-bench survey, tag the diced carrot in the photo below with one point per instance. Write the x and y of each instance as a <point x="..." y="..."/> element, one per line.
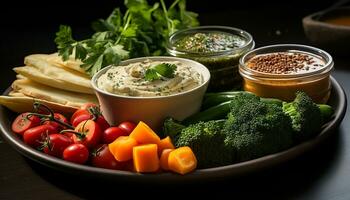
<point x="164" y="159"/>
<point x="121" y="148"/>
<point x="143" y="134"/>
<point x="146" y="158"/>
<point x="165" y="143"/>
<point x="182" y="160"/>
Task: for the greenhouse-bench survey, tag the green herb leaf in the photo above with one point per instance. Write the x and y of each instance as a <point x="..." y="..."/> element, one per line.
<point x="112" y="23"/>
<point x="64" y="42"/>
<point x="161" y="70"/>
<point x="165" y="69"/>
<point x="143" y="30"/>
<point x="80" y="51"/>
<point x="151" y="75"/>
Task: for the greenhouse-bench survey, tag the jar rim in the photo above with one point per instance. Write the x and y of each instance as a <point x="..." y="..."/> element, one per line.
<point x="245" y="71"/>
<point x="249" y="43"/>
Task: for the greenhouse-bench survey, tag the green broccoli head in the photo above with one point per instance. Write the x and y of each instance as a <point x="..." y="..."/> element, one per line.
<point x="306" y="116"/>
<point x="207" y="142"/>
<point x="172" y="128"/>
<point x="255" y="128"/>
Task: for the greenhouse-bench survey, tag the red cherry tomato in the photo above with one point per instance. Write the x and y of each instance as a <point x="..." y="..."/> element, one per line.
<point x="68" y="134"/>
<point x="22" y="123"/>
<point x="112" y="133"/>
<point x="78" y="113"/>
<point x="77" y="153"/>
<point x="82" y="115"/>
<point x="102" y="123"/>
<point x="91" y="134"/>
<point x="86" y="106"/>
<point x="35" y="136"/>
<point x="103" y="158"/>
<point x="127" y="126"/>
<point x="80" y="118"/>
<point x="55" y="144"/>
<point x="60" y="117"/>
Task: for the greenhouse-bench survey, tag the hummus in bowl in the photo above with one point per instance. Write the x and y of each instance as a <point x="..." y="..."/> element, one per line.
<point x="126" y="93"/>
<point x="131" y="79"/>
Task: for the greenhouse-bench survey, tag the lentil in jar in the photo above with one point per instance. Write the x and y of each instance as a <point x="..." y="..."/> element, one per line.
<point x="285" y="63"/>
<point x="280" y="74"/>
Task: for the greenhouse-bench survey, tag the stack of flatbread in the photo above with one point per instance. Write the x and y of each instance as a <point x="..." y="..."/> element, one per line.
<point x="61" y="85"/>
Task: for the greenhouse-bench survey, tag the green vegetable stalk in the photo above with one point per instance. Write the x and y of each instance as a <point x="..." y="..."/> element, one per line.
<point x="250" y="127"/>
<point x="142" y="30"/>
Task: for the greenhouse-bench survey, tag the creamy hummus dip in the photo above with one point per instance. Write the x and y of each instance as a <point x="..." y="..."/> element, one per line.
<point x="129" y="80"/>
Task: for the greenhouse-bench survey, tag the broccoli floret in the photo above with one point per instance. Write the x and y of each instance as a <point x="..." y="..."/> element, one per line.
<point x="207" y="142"/>
<point x="306" y="116"/>
<point x="172" y="128"/>
<point x="255" y="128"/>
<point x="326" y="112"/>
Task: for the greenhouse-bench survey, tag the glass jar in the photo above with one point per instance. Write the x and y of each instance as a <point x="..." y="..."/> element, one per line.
<point x="222" y="64"/>
<point x="315" y="83"/>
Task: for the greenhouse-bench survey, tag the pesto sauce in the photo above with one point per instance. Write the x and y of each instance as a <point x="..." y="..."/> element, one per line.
<point x="209" y="42"/>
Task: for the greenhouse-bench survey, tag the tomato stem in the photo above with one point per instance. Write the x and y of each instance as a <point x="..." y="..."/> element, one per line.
<point x="39" y="106"/>
<point x="50" y="117"/>
<point x="80" y="135"/>
<point x="46" y="142"/>
<point x="95" y="152"/>
<point x="95" y="112"/>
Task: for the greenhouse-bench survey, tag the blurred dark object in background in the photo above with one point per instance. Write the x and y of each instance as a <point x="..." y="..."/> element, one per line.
<point x="79" y="12"/>
<point x="29" y="27"/>
<point x="330" y="28"/>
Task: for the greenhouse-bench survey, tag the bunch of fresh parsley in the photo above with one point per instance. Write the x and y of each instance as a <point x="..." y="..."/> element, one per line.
<point x="142" y="30"/>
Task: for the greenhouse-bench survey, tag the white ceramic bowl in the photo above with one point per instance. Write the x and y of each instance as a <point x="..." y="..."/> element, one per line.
<point x="152" y="110"/>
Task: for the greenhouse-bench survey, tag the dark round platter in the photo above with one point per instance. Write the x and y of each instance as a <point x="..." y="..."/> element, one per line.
<point x="337" y="101"/>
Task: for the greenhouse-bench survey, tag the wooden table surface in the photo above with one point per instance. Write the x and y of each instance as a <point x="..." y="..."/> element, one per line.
<point x="323" y="173"/>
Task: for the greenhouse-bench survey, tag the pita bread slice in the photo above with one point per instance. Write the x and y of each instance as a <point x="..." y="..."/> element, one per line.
<point x="18" y="76"/>
<point x="39" y="91"/>
<point x="25" y="104"/>
<point x="49" y="78"/>
<point x="44" y="60"/>
<point x="71" y="63"/>
<point x="59" y="73"/>
<point x="14" y="93"/>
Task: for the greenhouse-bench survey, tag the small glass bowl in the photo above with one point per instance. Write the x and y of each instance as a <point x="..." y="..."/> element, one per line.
<point x="223" y="65"/>
<point x="284" y="86"/>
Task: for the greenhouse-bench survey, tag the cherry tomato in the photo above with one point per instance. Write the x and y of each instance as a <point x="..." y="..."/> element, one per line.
<point x="129" y="166"/>
<point x="127" y="126"/>
<point x="86" y="106"/>
<point x="104" y="159"/>
<point x="79" y="118"/>
<point x="77" y="153"/>
<point x="78" y="113"/>
<point x="55" y="144"/>
<point x="35" y="136"/>
<point x="112" y="133"/>
<point x="68" y="134"/>
<point x="60" y="117"/>
<point x="91" y="133"/>
<point x="22" y="123"/>
<point x="82" y="115"/>
<point x="102" y="123"/>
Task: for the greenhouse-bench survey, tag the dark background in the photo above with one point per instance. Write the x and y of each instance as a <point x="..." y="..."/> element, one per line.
<point x="29" y="27"/>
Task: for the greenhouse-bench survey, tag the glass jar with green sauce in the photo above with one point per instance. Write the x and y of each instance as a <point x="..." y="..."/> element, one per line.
<point x="219" y="48"/>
